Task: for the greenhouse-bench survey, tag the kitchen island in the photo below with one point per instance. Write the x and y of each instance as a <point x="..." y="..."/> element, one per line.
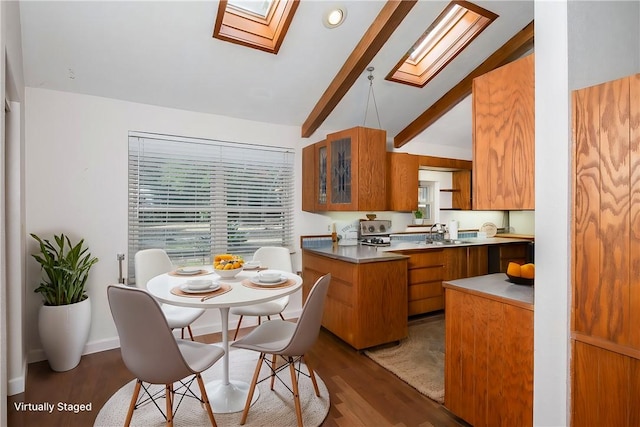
<point x="489" y="348"/>
<point x="375" y="289"/>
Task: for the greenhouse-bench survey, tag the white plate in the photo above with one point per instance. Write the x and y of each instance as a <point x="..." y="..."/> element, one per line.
<point x="198" y="284"/>
<point x="188" y="271"/>
<point x="185" y="288"/>
<point x="489" y="228"/>
<point x="256" y="281"/>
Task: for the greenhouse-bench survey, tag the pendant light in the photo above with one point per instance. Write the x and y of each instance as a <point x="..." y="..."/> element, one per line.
<point x="369" y="96"/>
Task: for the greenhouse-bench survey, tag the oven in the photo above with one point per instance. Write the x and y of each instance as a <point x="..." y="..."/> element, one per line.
<point x="375" y="232"/>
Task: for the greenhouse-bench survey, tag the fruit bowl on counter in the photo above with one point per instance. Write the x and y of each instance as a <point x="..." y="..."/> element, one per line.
<point x="228" y="266"/>
<point x="521" y="274"/>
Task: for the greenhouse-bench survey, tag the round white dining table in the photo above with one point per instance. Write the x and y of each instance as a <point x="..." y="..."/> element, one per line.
<point x="225" y="395"/>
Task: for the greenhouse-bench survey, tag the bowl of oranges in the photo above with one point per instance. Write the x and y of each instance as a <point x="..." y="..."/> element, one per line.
<point x="227" y="266"/>
<point x="521" y="274"/>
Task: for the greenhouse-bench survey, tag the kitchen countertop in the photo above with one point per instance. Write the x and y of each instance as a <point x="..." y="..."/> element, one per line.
<point x="495" y="287"/>
<point x="361" y="253"/>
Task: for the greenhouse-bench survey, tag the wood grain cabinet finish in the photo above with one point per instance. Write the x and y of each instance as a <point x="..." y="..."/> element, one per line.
<point x="606" y="254"/>
<point x="349" y="172"/>
<point x="429" y="268"/>
<point x="309" y="180"/>
<point x="402" y="182"/>
<point x="503" y="137"/>
<point x="366" y="304"/>
<point x="489" y="364"/>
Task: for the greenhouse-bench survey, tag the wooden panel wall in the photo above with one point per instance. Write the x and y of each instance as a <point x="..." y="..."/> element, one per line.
<point x="606" y="254"/>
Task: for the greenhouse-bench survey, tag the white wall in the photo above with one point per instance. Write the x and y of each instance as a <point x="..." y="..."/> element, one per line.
<point x="76" y="183"/>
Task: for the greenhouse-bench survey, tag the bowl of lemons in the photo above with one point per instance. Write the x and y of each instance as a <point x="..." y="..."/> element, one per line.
<point x="228" y="266"/>
<point x="521" y="274"/>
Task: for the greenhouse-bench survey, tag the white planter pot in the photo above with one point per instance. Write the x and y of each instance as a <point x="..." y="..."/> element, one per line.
<point x="418" y="221"/>
<point x="64" y="331"/>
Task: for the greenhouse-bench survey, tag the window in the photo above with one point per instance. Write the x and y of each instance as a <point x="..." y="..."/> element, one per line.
<point x="450" y="33"/>
<point x="257" y="24"/>
<point x="196" y="197"/>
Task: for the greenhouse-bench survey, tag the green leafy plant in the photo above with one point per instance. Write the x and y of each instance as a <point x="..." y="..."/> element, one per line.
<point x="66" y="269"/>
<point x="417" y="214"/>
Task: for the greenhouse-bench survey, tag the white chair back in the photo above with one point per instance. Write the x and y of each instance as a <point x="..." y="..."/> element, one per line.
<point x="274" y="257"/>
<point x="150" y="263"/>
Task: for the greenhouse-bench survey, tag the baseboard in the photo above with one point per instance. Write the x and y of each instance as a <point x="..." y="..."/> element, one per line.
<point x="37" y="355"/>
<point x="17" y="385"/>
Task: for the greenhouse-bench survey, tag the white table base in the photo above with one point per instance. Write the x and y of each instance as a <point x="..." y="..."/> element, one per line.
<point x="226" y="396"/>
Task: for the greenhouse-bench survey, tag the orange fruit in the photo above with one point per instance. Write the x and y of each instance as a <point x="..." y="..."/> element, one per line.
<point x="514" y="269"/>
<point x="528" y="271"/>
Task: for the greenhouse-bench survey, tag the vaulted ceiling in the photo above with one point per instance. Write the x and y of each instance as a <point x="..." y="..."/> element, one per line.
<point x="163" y="53"/>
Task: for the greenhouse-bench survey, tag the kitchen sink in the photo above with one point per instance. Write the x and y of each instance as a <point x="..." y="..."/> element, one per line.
<point x="446" y="242"/>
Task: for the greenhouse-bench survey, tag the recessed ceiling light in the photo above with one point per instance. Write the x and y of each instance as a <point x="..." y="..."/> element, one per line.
<point x="334" y="16"/>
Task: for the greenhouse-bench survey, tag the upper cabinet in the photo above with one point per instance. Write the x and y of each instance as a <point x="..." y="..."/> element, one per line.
<point x="402" y="182"/>
<point x="348" y="172"/>
<point x="503" y="137"/>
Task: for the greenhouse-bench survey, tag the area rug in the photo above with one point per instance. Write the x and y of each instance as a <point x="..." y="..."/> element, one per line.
<point x="273" y="408"/>
<point x="419" y="359"/>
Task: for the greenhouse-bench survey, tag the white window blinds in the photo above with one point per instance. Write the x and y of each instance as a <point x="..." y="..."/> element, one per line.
<point x="196" y="197"/>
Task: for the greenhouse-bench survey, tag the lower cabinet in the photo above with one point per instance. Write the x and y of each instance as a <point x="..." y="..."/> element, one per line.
<point x="501" y="255"/>
<point x="489" y="366"/>
<point x="366" y="303"/>
<point x="429" y="268"/>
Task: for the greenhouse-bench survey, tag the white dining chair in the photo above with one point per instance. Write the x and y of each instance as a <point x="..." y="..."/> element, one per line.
<point x="289" y="340"/>
<point x="274" y="258"/>
<point x="150" y="351"/>
<point x="153" y="262"/>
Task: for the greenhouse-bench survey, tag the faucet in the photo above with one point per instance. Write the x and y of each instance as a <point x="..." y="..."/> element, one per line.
<point x="435" y="224"/>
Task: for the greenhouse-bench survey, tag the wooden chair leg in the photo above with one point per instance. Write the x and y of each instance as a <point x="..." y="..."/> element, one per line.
<point x="132" y="405"/>
<point x="238" y="328"/>
<point x="252" y="389"/>
<point x="168" y="392"/>
<point x="273" y="370"/>
<point x="190" y="332"/>
<point x="312" y="375"/>
<point x="296" y="395"/>
<point x="205" y="399"/>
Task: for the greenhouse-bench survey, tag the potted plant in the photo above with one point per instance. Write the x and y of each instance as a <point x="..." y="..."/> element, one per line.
<point x="418" y="220"/>
<point x="64" y="319"/>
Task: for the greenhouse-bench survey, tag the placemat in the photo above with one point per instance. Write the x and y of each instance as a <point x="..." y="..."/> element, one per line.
<point x="249" y="284"/>
<point x="224" y="288"/>
<point x="202" y="273"/>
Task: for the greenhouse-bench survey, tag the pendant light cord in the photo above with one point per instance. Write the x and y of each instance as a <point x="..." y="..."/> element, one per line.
<point x="371" y="95"/>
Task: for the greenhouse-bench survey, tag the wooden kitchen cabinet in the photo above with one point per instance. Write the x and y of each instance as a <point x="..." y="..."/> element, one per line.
<point x="366" y="303"/>
<point x="503" y="137"/>
<point x="402" y="182"/>
<point x="429" y="268"/>
<point x="349" y="171"/>
<point x="309" y="178"/>
<point x="605" y="338"/>
<point x="489" y="364"/>
<point x="461" y="184"/>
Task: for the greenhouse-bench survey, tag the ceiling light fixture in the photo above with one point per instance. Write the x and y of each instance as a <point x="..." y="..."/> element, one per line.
<point x="334" y="16"/>
<point x="371" y="95"/>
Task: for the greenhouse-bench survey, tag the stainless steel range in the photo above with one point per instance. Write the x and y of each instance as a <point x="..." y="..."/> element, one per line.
<point x="375" y="232"/>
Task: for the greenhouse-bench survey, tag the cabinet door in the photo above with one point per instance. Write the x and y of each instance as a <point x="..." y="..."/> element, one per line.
<point x="321" y="176"/>
<point x="402" y="182"/>
<point x="341" y="174"/>
<point x="309" y="173"/>
<point x="461" y="183"/>
<point x="503" y="108"/>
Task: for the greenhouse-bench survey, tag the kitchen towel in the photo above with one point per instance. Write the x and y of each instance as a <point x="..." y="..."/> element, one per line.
<point x="453" y="229"/>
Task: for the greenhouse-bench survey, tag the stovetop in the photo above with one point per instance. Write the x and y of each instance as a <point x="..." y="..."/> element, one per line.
<point x="376" y="241"/>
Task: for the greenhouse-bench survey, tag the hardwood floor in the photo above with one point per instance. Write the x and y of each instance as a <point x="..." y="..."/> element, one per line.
<point x="362" y="393"/>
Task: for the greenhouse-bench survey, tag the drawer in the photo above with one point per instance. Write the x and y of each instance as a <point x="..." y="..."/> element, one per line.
<point x="426" y="305"/>
<point x="426" y="274"/>
<point x="426" y="258"/>
<point x="425" y="290"/>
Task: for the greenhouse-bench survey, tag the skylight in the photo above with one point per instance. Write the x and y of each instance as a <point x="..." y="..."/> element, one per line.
<point x="257" y="24"/>
<point x="453" y="30"/>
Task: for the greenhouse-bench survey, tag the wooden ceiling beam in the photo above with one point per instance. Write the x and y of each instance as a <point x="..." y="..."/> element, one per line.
<point x="389" y="18"/>
<point x="513" y="49"/>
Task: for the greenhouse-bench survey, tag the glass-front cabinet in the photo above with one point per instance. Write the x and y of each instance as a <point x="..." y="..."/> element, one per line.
<point x="349" y="171"/>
